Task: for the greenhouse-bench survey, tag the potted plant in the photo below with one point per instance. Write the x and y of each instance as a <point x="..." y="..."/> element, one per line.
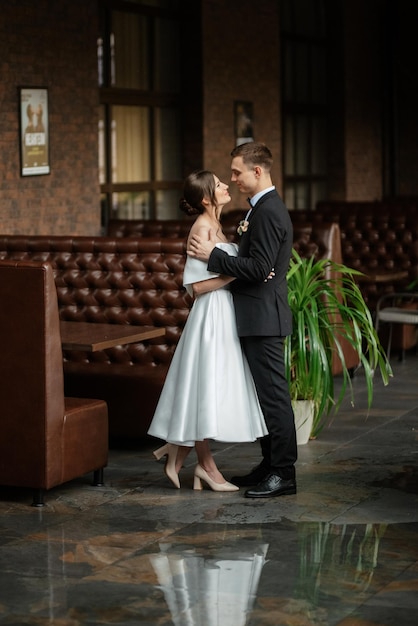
<point x="327" y="307"/>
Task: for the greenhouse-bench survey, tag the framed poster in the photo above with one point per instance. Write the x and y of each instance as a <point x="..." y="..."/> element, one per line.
<point x="34" y="132"/>
<point x="243" y="119"/>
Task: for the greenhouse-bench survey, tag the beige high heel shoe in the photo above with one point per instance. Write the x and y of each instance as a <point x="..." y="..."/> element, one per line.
<point x="160" y="452"/>
<point x="170" y="451"/>
<point x="200" y="474"/>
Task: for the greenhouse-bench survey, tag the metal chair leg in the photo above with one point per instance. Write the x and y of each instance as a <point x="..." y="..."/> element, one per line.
<point x="389" y="341"/>
<point x="38" y="497"/>
<point x="98" y="478"/>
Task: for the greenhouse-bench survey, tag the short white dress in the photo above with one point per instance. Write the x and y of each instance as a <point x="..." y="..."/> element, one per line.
<point x="209" y="392"/>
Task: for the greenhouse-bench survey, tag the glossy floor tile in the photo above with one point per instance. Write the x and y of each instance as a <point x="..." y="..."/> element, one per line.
<point x="343" y="551"/>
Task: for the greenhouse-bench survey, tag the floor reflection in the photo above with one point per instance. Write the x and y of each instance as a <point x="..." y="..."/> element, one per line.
<point x="209" y="574"/>
<point x="286" y="573"/>
<point x="331" y="554"/>
<point x="216" y="590"/>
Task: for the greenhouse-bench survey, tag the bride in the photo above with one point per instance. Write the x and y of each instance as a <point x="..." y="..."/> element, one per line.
<point x="209" y="392"/>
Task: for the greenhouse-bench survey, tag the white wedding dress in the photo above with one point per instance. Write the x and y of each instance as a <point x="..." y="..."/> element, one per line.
<point x="215" y="589"/>
<point x="209" y="392"/>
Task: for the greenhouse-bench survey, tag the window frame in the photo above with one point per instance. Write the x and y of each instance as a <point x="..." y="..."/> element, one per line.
<point x="293" y="38"/>
<point x="110" y="96"/>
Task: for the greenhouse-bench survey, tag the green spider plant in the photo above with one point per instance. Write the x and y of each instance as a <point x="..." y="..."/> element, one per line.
<point x="327" y="306"/>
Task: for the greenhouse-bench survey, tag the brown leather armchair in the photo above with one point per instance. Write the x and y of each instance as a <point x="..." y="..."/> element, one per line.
<point x="46" y="439"/>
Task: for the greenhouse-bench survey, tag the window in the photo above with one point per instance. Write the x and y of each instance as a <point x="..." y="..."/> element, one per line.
<point x="139" y="123"/>
<point x="304" y="96"/>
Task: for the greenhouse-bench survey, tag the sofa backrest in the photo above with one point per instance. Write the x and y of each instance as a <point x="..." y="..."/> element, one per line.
<point x="150" y="228"/>
<point x="31" y="373"/>
<point x="161" y="229"/>
<point x="374" y="235"/>
<point x="310" y="239"/>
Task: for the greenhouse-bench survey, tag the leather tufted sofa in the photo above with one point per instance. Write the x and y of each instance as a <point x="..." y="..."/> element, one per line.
<point x="377" y="238"/>
<point x="130" y="280"/>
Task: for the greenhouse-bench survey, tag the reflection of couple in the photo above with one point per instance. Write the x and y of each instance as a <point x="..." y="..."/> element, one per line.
<point x="31" y="113"/>
<point x="227" y="377"/>
<point x="216" y="591"/>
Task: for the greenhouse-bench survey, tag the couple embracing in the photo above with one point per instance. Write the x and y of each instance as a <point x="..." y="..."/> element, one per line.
<point x="227" y="380"/>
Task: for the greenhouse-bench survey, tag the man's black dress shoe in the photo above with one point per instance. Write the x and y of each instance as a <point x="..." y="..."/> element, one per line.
<point x="272" y="485"/>
<point x="253" y="478"/>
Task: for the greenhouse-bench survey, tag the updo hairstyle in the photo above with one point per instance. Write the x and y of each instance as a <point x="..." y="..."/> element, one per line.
<point x="197" y="186"/>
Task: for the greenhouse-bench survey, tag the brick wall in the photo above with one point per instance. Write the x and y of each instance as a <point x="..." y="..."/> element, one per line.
<point x="53" y="44"/>
<point x="363" y="101"/>
<point x="50" y="44"/>
<point x="241" y="61"/>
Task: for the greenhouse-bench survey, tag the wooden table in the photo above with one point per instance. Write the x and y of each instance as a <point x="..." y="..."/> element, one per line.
<point x="381" y="276"/>
<point x="91" y="337"/>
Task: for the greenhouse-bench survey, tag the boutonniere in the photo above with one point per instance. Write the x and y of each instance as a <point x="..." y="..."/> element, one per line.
<point x="242" y="227"/>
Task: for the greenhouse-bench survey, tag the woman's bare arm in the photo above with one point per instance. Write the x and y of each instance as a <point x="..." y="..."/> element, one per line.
<point x="211" y="284"/>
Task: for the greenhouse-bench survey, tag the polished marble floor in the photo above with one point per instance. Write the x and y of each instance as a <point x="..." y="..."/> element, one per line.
<point x="343" y="551"/>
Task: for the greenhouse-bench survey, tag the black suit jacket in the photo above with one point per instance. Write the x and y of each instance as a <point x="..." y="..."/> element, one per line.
<point x="261" y="307"/>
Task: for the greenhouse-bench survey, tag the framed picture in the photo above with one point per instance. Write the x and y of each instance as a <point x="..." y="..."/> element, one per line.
<point x="243" y="119"/>
<point x="34" y="131"/>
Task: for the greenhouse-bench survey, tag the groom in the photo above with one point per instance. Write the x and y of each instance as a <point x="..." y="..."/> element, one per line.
<point x="262" y="311"/>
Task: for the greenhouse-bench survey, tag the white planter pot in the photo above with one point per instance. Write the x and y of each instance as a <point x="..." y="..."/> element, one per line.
<point x="304" y="413"/>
